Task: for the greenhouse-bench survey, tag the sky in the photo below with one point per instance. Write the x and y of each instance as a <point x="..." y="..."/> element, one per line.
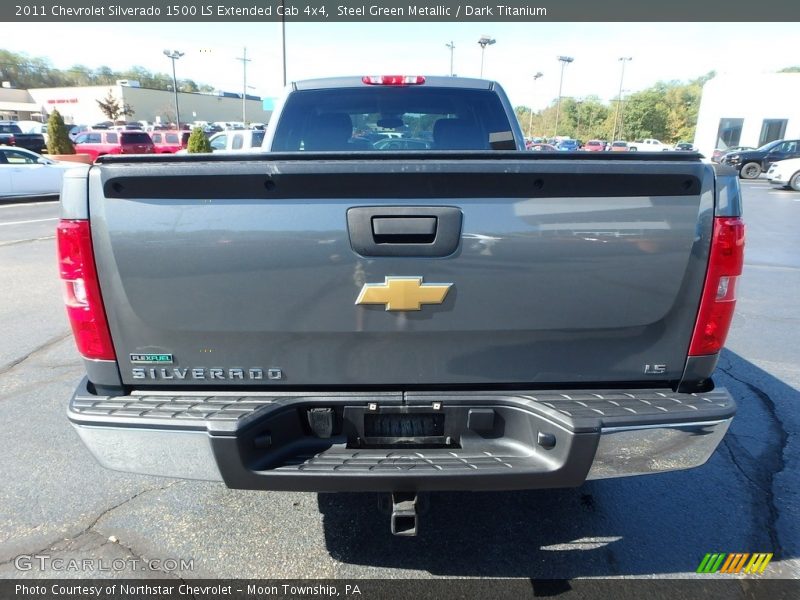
<point x="660" y="52"/>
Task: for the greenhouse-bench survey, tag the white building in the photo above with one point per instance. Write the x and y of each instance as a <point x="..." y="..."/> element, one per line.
<point x="748" y="110"/>
<point x="78" y="105"/>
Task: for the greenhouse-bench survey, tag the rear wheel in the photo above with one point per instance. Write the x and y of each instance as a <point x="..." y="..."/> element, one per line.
<point x="794" y="182"/>
<point x="750" y="170"/>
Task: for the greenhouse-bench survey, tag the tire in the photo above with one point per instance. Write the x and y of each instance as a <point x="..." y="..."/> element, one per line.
<point x="750" y="170"/>
<point x="633" y="149"/>
<point x="794" y="182"/>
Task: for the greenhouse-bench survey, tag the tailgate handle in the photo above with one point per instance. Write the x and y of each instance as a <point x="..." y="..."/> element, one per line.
<point x="404" y="230"/>
<point x="432" y="231"/>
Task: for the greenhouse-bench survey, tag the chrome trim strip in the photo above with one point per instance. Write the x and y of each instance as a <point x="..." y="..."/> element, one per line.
<point x="605" y="430"/>
<point x="181" y="454"/>
<point x="639" y="450"/>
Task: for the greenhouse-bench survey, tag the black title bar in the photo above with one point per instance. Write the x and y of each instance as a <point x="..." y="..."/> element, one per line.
<point x="510" y="11"/>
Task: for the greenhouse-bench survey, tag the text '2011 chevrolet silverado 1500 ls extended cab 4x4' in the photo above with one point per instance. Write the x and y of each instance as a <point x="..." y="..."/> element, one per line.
<point x="329" y="316"/>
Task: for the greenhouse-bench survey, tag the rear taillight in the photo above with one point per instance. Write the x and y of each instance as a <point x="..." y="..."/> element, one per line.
<point x="393" y="79"/>
<point x="12" y="141"/>
<point x="719" y="293"/>
<point x="82" y="291"/>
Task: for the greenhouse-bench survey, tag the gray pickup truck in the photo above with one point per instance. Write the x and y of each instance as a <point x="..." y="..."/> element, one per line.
<point x="336" y="314"/>
<point x="11" y="135"/>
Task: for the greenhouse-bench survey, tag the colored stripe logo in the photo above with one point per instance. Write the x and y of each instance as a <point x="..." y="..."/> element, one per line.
<point x="737" y="562"/>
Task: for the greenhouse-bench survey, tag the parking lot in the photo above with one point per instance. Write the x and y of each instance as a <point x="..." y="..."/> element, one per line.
<point x="55" y="499"/>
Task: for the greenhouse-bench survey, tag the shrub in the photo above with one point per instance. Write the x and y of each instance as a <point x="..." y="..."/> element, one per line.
<point x="198" y="142"/>
<point x="58" y="141"/>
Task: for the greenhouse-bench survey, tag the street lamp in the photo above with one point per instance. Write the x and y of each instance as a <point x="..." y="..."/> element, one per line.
<point x="174" y="55"/>
<point x="623" y="60"/>
<point x="564" y="60"/>
<point x="484" y="41"/>
<point x="244" y="60"/>
<point x="452" y="47"/>
<point x="530" y="115"/>
<point x="622" y="114"/>
<point x="283" y="40"/>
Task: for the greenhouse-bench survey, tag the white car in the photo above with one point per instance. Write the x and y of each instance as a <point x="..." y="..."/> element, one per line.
<point x="648" y="145"/>
<point x="24" y="173"/>
<point x="785" y="173"/>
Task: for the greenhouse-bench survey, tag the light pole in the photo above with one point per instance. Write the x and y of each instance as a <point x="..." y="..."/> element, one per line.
<point x="244" y="60"/>
<point x="452" y="47"/>
<point x="530" y="115"/>
<point x="484" y="41"/>
<point x="174" y="55"/>
<point x="578" y="104"/>
<point x="283" y="40"/>
<point x="564" y="60"/>
<point x="623" y="60"/>
<point x="622" y="114"/>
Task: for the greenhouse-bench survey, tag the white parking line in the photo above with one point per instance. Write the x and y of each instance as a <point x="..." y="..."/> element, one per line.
<point x="29" y="204"/>
<point x="30" y="221"/>
<point x="39" y="239"/>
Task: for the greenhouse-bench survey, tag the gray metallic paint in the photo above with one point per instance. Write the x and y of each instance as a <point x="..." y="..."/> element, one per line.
<point x="545" y="291"/>
<point x="74" y="194"/>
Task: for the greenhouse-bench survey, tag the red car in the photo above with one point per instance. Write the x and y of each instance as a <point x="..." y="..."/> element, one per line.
<point x="169" y="142"/>
<point x="100" y="142"/>
<point x="594" y="146"/>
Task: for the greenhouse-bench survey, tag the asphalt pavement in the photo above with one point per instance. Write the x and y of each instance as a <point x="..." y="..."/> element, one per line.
<point x="56" y="500"/>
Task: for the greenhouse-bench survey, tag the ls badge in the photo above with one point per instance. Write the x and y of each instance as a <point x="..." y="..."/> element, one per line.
<point x="403" y="293"/>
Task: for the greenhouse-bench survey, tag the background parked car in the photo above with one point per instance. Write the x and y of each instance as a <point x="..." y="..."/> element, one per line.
<point x="12" y="135"/>
<point x="647" y="145"/>
<point x="785" y="173"/>
<point x="542" y="148"/>
<point x="568" y="145"/>
<point x="169" y="142"/>
<point x="594" y="146"/>
<point x="619" y="146"/>
<point x="24" y="173"/>
<point x="683" y="147"/>
<point x="752" y="163"/>
<point x="99" y="143"/>
<point x="720" y="152"/>
<point x="76" y="130"/>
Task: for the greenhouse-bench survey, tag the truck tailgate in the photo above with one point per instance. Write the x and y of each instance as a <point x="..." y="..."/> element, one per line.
<point x="245" y="273"/>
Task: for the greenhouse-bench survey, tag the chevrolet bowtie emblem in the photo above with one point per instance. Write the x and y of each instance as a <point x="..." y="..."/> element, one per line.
<point x="403" y="293"/>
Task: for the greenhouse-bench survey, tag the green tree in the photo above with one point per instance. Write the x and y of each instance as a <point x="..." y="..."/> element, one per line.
<point x="198" y="142"/>
<point x="790" y="70"/>
<point x="111" y="107"/>
<point x="58" y="141"/>
<point x="24" y="71"/>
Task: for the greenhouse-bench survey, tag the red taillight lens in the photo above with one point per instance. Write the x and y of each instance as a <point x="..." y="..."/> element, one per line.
<point x="12" y="141"/>
<point x="393" y="79"/>
<point x="82" y="291"/>
<point x="719" y="293"/>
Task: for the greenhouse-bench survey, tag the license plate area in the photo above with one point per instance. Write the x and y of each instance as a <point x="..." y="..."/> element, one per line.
<point x="398" y="426"/>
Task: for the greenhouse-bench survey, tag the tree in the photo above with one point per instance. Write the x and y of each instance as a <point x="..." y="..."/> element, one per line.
<point x="790" y="70"/>
<point x="198" y="142"/>
<point x="58" y="141"/>
<point x="25" y="72"/>
<point x="111" y="107"/>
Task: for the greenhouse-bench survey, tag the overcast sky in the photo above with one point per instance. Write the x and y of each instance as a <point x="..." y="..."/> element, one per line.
<point x="660" y="51"/>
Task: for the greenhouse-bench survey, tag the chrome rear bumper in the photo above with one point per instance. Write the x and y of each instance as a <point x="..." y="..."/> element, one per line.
<point x="536" y="440"/>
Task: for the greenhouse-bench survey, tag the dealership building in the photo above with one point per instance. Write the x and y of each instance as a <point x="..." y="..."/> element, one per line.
<point x="748" y="111"/>
<point x="78" y="105"/>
